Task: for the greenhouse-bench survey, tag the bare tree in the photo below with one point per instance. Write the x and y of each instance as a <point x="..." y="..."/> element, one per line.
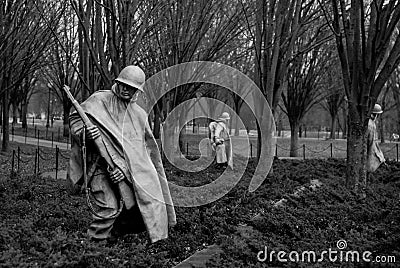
<point x="274" y="29"/>
<point x="62" y="63"/>
<point x="304" y="88"/>
<point x="25" y="39"/>
<point x="334" y="95"/>
<point x="190" y="31"/>
<point x="368" y="44"/>
<point x="110" y="35"/>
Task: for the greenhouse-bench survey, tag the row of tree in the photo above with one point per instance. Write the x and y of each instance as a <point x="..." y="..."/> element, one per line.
<point x="298" y="52"/>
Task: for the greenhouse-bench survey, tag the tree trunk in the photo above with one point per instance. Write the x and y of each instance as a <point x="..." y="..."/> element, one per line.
<point x="294" y="139"/>
<point x="24" y="112"/>
<point x="280" y="127"/>
<point x="6" y="125"/>
<point x="344" y="133"/>
<point x="237" y="126"/>
<point x="300" y="131"/>
<point x="14" y="113"/>
<point x="157" y="123"/>
<point x="258" y="140"/>
<point x="182" y="145"/>
<point x="356" y="154"/>
<point x="396" y="96"/>
<point x="66" y="109"/>
<point x="332" y="135"/>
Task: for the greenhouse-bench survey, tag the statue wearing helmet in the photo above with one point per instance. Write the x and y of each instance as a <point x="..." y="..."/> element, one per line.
<point x="132" y="76"/>
<point x="122" y="126"/>
<point x="375" y="156"/>
<point x="221" y="142"/>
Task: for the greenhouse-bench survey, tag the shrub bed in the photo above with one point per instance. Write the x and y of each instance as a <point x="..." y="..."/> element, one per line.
<point x="42" y="225"/>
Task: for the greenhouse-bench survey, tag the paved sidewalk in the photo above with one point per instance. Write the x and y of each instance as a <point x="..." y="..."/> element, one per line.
<point x="40" y="142"/>
<point x="200" y="258"/>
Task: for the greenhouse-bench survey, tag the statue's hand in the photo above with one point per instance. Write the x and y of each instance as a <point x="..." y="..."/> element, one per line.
<point x="92" y="132"/>
<point x="116" y="175"/>
<point x="219" y="141"/>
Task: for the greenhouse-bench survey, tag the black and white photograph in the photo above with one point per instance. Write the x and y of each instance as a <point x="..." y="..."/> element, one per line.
<point x="203" y="133"/>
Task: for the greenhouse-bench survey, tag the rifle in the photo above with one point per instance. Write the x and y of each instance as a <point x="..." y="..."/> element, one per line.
<point x="124" y="190"/>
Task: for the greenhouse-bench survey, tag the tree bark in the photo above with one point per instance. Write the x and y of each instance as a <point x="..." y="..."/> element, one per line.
<point x="24" y="112"/>
<point x="66" y="109"/>
<point x="344" y="133"/>
<point x="300" y="131"/>
<point x="157" y="123"/>
<point x="356" y="153"/>
<point x="332" y="135"/>
<point x="237" y="118"/>
<point x="294" y="139"/>
<point x="6" y="125"/>
<point x="396" y="95"/>
<point x="14" y="112"/>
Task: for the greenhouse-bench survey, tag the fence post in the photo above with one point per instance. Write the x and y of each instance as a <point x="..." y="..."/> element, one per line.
<point x="304" y="151"/>
<point x="19" y="154"/>
<point x="52" y="139"/>
<point x="12" y="131"/>
<point x="331" y="150"/>
<point x="35" y="160"/>
<point x="38" y="160"/>
<point x="12" y="162"/>
<point x="56" y="161"/>
<point x="38" y="134"/>
<point x="276" y="150"/>
<point x="251" y="150"/>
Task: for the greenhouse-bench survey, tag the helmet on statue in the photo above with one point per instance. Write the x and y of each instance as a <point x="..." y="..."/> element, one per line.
<point x="132" y="76"/>
<point x="377" y="109"/>
<point x="224" y="116"/>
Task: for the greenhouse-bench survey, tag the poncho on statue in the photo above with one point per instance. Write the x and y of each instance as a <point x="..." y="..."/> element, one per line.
<point x="132" y="147"/>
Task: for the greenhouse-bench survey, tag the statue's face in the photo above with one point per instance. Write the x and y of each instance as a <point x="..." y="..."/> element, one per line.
<point x="374" y="116"/>
<point x="125" y="92"/>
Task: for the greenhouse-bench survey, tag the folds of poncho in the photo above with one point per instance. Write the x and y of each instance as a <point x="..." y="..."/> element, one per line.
<point x="132" y="147"/>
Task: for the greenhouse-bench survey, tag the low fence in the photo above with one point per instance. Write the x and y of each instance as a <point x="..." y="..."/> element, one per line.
<point x="48" y="134"/>
<point x="40" y="156"/>
<point x="332" y="151"/>
<point x="20" y="157"/>
<point x="305" y="152"/>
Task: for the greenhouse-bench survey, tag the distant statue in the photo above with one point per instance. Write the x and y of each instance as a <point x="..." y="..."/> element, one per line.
<point x="221" y="141"/>
<point x="375" y="156"/>
<point x="122" y="172"/>
<point x="394" y="137"/>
